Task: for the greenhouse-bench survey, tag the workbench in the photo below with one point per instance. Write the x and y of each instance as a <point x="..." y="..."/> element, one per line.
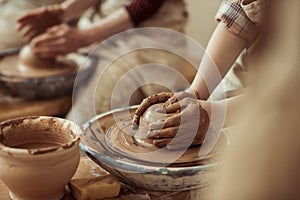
<point x="88" y="168"/>
<point x="12" y="107"/>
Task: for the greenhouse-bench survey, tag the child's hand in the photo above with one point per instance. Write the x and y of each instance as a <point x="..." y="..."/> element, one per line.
<point x="167" y="98"/>
<point x="147" y="102"/>
<point x="37" y="21"/>
<point x="57" y="40"/>
<point x="186" y="126"/>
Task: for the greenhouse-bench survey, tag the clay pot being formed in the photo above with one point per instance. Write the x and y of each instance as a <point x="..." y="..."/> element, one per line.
<point x="28" y="59"/>
<point x="38" y="156"/>
<point x="151" y="115"/>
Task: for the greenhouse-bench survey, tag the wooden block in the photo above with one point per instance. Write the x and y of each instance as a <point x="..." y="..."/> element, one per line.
<point x="101" y="187"/>
<point x="88" y="169"/>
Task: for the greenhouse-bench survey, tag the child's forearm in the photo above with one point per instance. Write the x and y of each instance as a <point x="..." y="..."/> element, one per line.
<point x="74" y="8"/>
<point x="232" y="106"/>
<point x="223" y="49"/>
<point x="112" y="24"/>
<point x="229" y="107"/>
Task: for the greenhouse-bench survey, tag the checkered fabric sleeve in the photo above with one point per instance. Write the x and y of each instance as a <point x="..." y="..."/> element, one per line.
<point x="140" y="10"/>
<point x="232" y="15"/>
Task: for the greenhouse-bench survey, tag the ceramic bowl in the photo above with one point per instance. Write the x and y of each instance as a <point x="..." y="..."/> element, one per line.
<point x="38" y="156"/>
<point x="151" y="175"/>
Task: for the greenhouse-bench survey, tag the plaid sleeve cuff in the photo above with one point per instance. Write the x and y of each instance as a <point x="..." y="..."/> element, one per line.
<point x="232" y="15"/>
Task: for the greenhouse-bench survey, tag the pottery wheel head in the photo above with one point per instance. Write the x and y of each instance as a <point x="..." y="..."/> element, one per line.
<point x="28" y="65"/>
<point x="123" y="141"/>
<point x="28" y="59"/>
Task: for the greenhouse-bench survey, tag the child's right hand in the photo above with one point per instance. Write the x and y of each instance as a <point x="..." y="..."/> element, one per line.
<point x="167" y="98"/>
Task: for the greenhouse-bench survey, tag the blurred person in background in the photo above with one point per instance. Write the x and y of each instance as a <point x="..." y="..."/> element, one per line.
<point x="50" y="35"/>
<point x="98" y="20"/>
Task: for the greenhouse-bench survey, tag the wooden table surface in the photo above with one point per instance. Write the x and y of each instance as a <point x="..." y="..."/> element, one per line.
<point x="88" y="168"/>
<point x="16" y="107"/>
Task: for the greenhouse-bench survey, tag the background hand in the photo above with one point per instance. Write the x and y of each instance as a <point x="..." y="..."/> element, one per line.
<point x="188" y="116"/>
<point x="57" y="40"/>
<point x="37" y="21"/>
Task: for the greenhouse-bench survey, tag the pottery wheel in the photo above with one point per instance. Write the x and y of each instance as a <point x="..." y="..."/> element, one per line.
<point x="124" y="141"/>
<point x="10" y="67"/>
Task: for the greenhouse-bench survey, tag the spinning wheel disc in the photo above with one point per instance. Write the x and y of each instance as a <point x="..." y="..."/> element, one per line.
<point x="121" y="139"/>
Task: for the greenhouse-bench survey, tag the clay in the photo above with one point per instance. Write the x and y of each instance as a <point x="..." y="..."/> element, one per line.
<point x="102" y="187"/>
<point x="147" y="102"/>
<point x="28" y="59"/>
<point x="150" y="115"/>
<point x="28" y="65"/>
<point x="38" y="156"/>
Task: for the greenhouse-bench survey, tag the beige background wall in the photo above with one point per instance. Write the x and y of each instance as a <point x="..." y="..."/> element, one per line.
<point x="202" y="21"/>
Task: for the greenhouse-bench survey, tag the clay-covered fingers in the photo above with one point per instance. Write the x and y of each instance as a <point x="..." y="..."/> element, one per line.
<point x="176" y="142"/>
<point x="171" y="121"/>
<point x="172" y="108"/>
<point x="147" y="102"/>
<point x="182" y="129"/>
<point x="161" y="142"/>
<point x="177" y="97"/>
<point x="183" y="140"/>
<point x="177" y="106"/>
<point x="168" y="132"/>
<point x="189" y="110"/>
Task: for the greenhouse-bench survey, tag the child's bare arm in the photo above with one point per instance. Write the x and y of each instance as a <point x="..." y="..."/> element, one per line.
<point x="222" y="51"/>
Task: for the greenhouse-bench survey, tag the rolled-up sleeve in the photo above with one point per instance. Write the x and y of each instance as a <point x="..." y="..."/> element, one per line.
<point x="233" y="16"/>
